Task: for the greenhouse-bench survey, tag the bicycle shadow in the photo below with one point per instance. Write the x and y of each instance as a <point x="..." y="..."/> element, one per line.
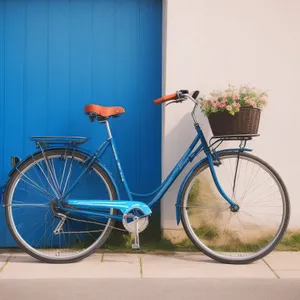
<point x="188" y="257"/>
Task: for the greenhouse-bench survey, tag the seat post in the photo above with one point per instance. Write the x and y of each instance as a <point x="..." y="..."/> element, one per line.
<point x="108" y="129"/>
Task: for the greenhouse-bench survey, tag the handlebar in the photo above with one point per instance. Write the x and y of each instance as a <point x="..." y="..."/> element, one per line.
<point x="179" y="95"/>
<point x="166" y="98"/>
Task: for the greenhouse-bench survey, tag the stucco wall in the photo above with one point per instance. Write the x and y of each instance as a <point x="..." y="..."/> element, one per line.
<point x="209" y="44"/>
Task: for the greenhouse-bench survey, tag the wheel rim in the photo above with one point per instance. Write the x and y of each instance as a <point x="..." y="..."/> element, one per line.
<point x="36" y="213"/>
<point x="231" y="236"/>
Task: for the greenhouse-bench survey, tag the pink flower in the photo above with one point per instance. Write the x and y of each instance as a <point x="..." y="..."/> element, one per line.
<point x="263" y="100"/>
<point x="253" y="104"/>
<point x="222" y="105"/>
<point x="236" y="97"/>
<point x="216" y="105"/>
<point x="224" y="99"/>
<point x="206" y="105"/>
<point x="236" y="105"/>
<point x="229" y="107"/>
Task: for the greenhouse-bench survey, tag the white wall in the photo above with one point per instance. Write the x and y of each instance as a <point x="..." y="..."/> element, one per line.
<point x="209" y="44"/>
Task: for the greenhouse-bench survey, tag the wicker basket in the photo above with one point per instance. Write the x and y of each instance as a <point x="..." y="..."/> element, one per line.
<point x="246" y="121"/>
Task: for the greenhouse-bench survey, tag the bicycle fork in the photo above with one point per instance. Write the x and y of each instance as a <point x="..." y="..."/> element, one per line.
<point x="233" y="206"/>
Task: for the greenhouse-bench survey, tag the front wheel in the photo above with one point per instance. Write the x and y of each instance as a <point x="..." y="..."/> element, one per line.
<point x="34" y="218"/>
<point x="235" y="237"/>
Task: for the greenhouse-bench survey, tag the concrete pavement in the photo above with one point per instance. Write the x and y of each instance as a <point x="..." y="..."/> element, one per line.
<point x="277" y="265"/>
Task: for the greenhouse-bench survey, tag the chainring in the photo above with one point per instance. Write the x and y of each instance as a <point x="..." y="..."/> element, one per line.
<point x="129" y="224"/>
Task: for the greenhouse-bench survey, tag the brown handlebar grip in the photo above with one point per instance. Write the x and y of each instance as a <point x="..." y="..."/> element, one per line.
<point x="166" y="98"/>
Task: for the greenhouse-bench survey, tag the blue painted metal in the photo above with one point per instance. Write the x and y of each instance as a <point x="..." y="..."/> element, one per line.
<point x="57" y="56"/>
<point x="124" y="206"/>
<point x="187" y="157"/>
<point x="216" y="181"/>
<point x="80" y="205"/>
<point x="80" y="212"/>
<point x="122" y="176"/>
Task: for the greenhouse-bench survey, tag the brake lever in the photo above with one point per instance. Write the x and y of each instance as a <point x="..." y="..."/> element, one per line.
<point x="176" y="101"/>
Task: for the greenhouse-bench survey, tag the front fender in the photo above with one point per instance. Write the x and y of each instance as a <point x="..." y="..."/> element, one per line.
<point x="3" y="187"/>
<point x="190" y="173"/>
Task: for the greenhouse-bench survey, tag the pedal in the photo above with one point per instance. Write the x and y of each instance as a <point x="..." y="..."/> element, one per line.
<point x="135" y="247"/>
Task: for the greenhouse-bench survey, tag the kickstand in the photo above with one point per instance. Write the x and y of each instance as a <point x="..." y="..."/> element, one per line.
<point x="61" y="223"/>
<point x="136" y="244"/>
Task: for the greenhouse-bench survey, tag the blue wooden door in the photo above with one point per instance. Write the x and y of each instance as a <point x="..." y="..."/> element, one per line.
<point x="57" y="56"/>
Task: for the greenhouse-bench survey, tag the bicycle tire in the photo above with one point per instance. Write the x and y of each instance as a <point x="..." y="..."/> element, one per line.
<point x="198" y="244"/>
<point x="8" y="211"/>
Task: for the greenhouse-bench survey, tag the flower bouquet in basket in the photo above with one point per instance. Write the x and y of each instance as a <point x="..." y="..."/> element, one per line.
<point x="235" y="110"/>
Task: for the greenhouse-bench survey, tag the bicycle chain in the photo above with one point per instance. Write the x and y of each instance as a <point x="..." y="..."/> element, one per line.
<point x="91" y="222"/>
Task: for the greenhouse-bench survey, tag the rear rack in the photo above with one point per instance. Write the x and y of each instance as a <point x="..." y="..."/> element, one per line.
<point x="45" y="141"/>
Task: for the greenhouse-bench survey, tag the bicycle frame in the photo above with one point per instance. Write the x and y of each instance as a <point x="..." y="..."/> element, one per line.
<point x="187" y="157"/>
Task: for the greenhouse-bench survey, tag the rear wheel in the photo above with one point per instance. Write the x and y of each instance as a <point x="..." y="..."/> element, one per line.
<point x="235" y="237"/>
<point x="33" y="215"/>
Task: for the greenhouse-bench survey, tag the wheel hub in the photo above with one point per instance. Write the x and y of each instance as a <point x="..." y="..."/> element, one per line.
<point x="54" y="207"/>
<point x="234" y="208"/>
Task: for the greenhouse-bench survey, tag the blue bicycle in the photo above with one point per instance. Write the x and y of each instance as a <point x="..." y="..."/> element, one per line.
<point x="233" y="206"/>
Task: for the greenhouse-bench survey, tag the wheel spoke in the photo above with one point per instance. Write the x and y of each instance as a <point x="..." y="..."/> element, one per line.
<point x="244" y="235"/>
<point x="63" y="173"/>
<point x="47" y="179"/>
<point x="68" y="176"/>
<point x="54" y="185"/>
<point x="27" y="180"/>
<point x="31" y="204"/>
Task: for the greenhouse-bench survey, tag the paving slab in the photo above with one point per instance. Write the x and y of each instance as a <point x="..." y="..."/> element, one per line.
<point x="285" y="264"/>
<point x="290" y="274"/>
<point x="22" y="266"/>
<point x="200" y="266"/>
<point x="3" y="259"/>
<point x="284" y="261"/>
